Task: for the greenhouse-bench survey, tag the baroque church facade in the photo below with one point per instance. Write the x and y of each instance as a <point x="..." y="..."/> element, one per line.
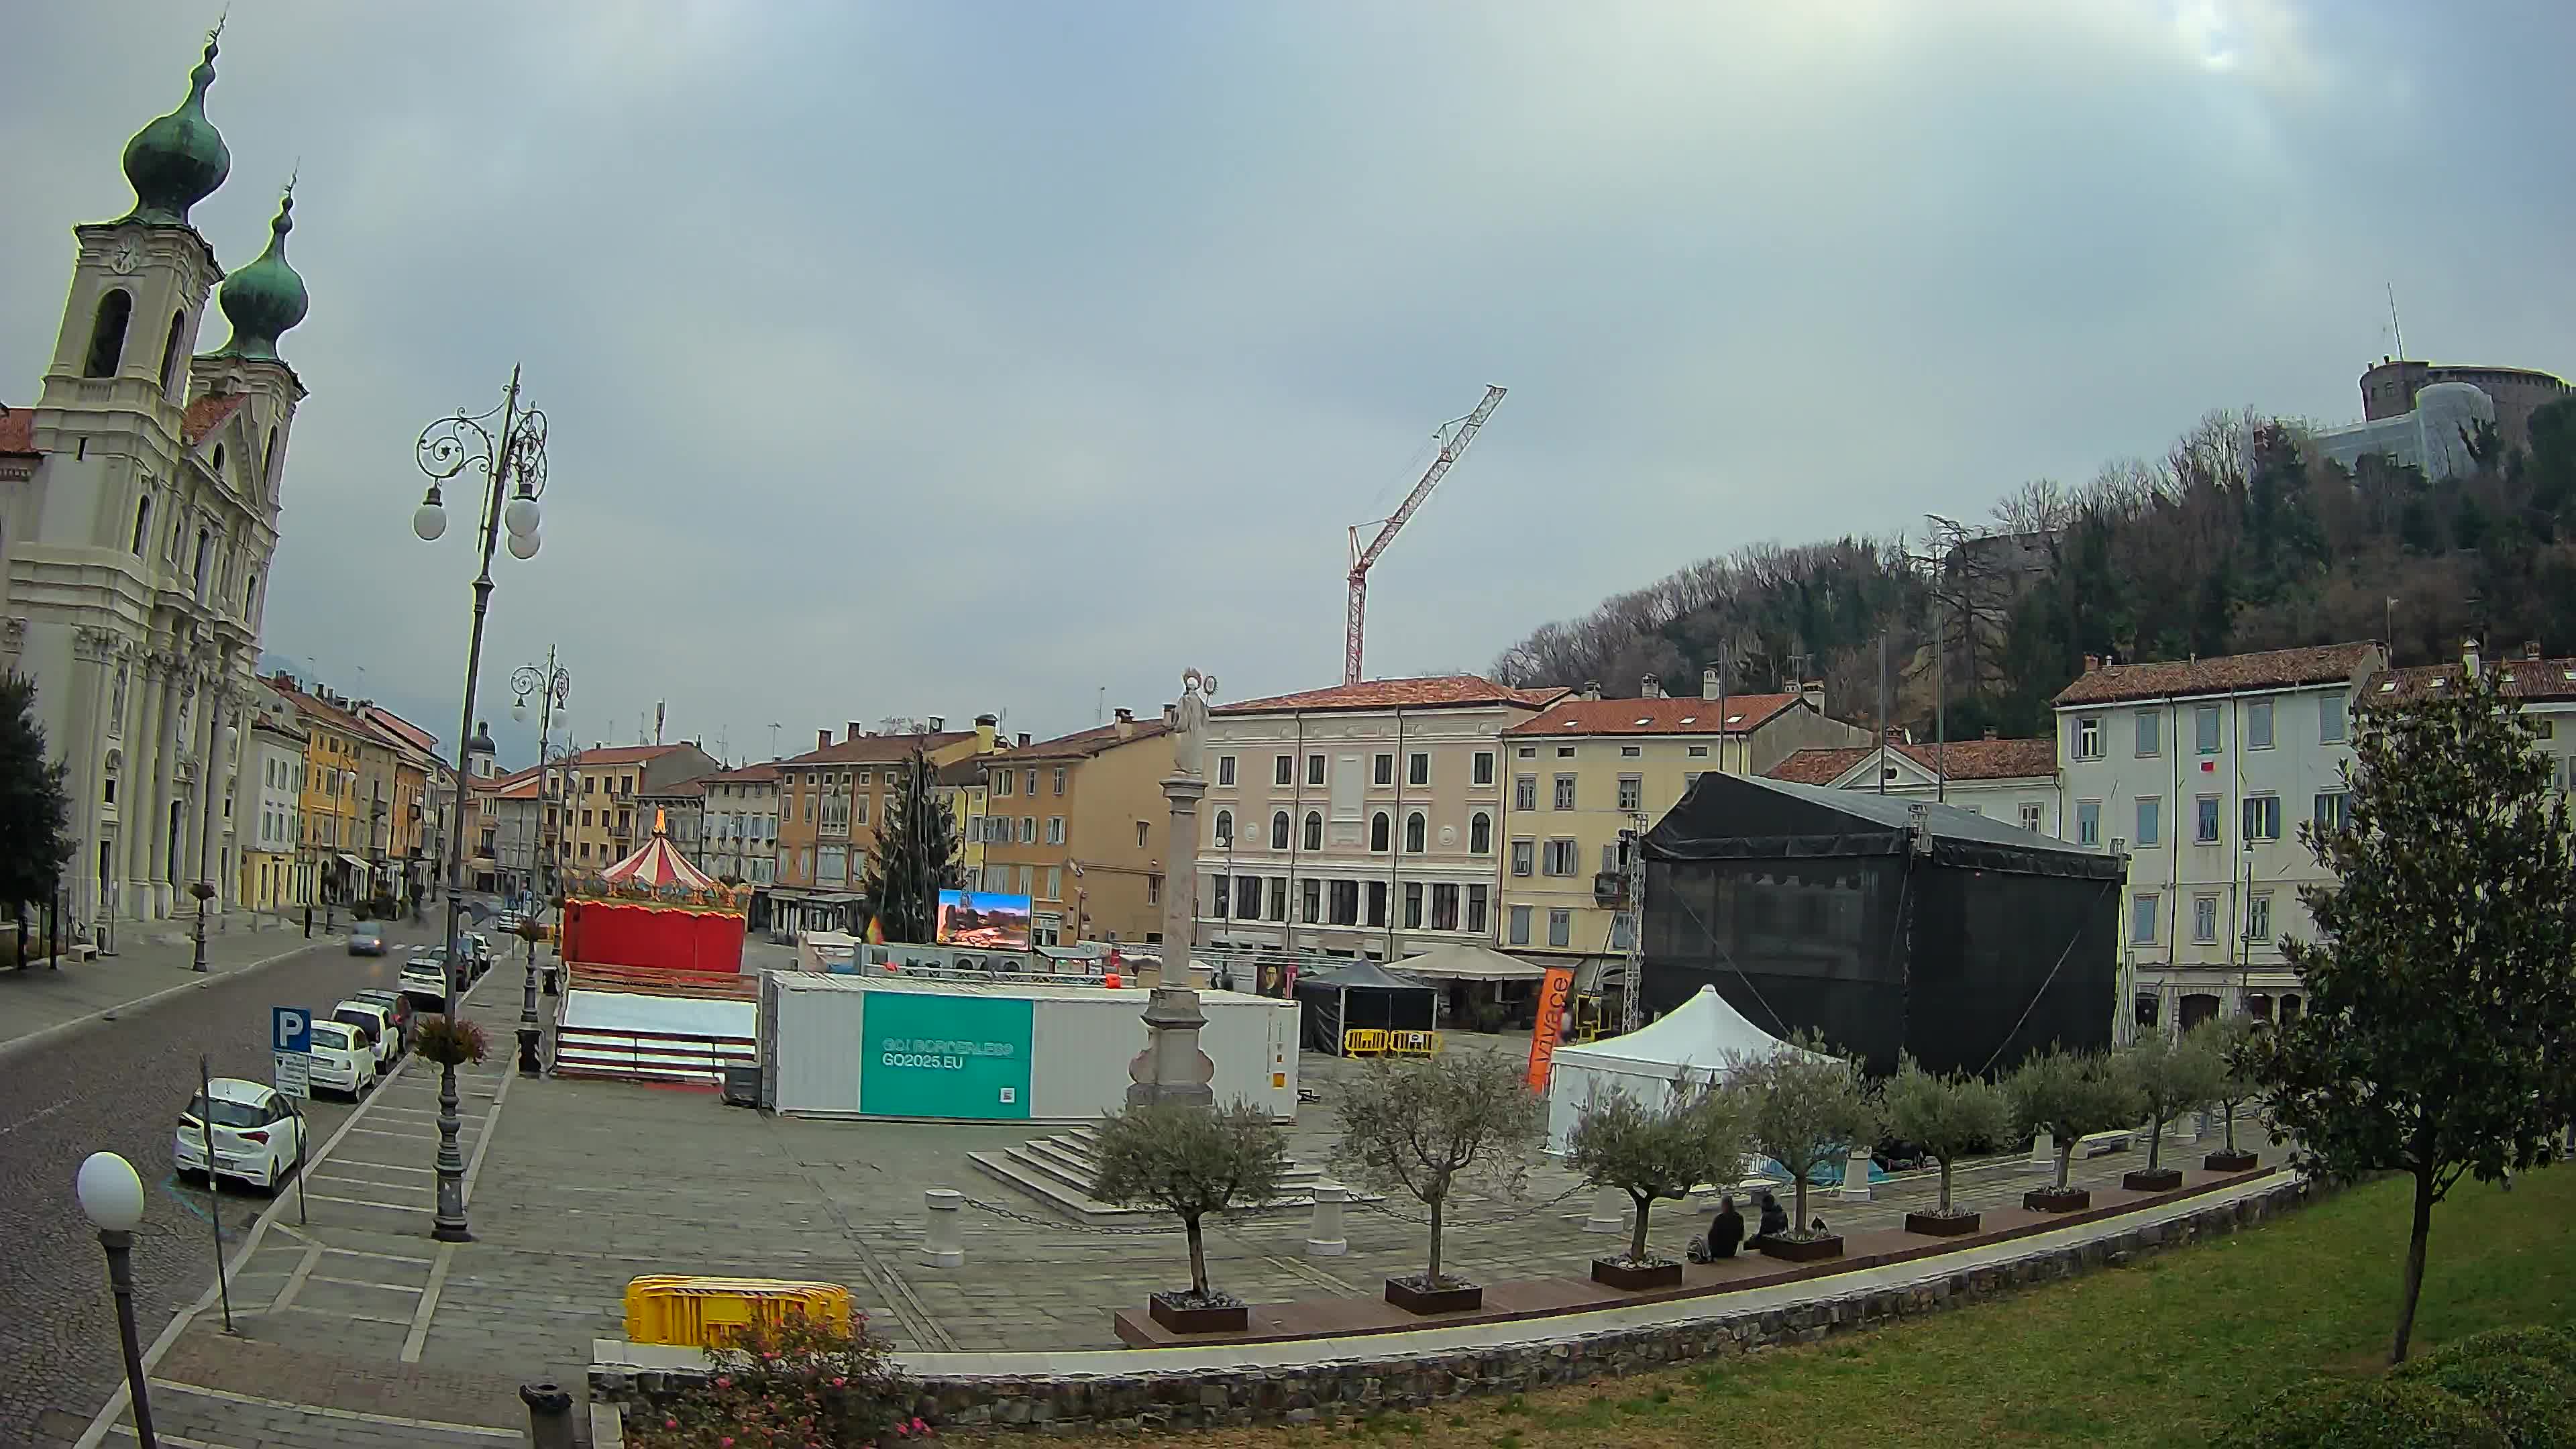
<point x="138" y="514"/>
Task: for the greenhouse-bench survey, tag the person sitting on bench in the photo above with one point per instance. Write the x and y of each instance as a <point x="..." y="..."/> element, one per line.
<point x="1725" y="1233"/>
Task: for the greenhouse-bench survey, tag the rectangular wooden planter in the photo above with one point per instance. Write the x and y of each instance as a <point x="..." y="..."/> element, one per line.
<point x="1934" y="1225"/>
<point x="1810" y="1250"/>
<point x="2050" y="1200"/>
<point x="2162" y="1179"/>
<point x="1456" y="1299"/>
<point x="1181" y="1318"/>
<point x="1636" y="1276"/>
<point x="2231" y="1162"/>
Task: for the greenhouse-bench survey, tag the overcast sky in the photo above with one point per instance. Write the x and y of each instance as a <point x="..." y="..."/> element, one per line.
<point x="935" y="358"/>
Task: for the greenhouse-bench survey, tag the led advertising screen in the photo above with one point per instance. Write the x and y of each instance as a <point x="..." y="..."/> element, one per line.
<point x="983" y="921"/>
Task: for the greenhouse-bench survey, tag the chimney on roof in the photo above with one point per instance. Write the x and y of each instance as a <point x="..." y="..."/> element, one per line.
<point x="1592" y="689"/>
<point x="2530" y="648"/>
<point x="1650" y="688"/>
<point x="938" y="724"/>
<point x="1708" y="685"/>
<point x="1990" y="732"/>
<point x="2469" y="654"/>
<point x="2092" y="663"/>
<point x="988" y="728"/>
<point x="822" y="739"/>
<point x="855" y="731"/>
<point x="1126" y="724"/>
<point x="1024" y="739"/>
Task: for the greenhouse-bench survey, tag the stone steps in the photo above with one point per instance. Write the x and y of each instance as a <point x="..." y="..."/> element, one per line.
<point x="1058" y="1171"/>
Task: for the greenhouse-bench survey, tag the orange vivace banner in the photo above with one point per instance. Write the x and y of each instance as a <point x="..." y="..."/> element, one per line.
<point x="1555" y="1005"/>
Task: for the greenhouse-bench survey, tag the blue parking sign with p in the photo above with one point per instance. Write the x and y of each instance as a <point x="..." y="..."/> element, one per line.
<point x="290" y="1029"/>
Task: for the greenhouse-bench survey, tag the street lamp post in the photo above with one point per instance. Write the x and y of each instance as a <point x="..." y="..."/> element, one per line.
<point x="552" y="685"/>
<point x="516" y="455"/>
<point x="111" y="1197"/>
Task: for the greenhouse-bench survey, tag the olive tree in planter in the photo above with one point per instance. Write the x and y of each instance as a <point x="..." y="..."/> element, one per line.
<point x="2069" y="1095"/>
<point x="1190" y="1161"/>
<point x="1427" y="1126"/>
<point x="1948" y="1117"/>
<point x="2228" y="1040"/>
<point x="1695" y="1135"/>
<point x="1803" y="1107"/>
<point x="2171" y="1077"/>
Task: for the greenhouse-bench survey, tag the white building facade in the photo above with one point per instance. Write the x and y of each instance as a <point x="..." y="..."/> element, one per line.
<point x="740" y="820"/>
<point x="138" y="511"/>
<point x="1361" y="820"/>
<point x="2201" y="772"/>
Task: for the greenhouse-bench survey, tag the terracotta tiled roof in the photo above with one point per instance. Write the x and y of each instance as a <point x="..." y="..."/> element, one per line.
<point x="760" y="774"/>
<point x="1431" y="692"/>
<point x="1964" y="759"/>
<point x="1083" y="744"/>
<point x="622" y="754"/>
<point x="2273" y="669"/>
<point x="208" y="413"/>
<point x="965" y="772"/>
<point x="320" y="709"/>
<point x="17" y="430"/>
<point x="875" y="749"/>
<point x="2520" y="677"/>
<point x="1570" y="716"/>
<point x="685" y="787"/>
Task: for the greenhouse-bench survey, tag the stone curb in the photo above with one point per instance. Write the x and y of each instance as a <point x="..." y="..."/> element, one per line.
<point x="1224" y="1396"/>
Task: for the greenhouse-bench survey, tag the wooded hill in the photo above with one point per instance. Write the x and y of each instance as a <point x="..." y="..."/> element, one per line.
<point x="2241" y="537"/>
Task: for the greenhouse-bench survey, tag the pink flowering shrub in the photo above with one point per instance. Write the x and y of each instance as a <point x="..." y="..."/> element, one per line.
<point x="802" y="1384"/>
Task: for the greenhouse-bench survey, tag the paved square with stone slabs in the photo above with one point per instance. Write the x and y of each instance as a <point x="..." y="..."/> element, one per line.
<point x="578" y="1187"/>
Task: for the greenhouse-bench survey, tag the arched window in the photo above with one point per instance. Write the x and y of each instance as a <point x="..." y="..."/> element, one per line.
<point x="170" y="352"/>
<point x="1314" y="830"/>
<point x="205" y="551"/>
<point x="1225" y="827"/>
<point x="107" y="334"/>
<point x="1413" y="831"/>
<point x="250" y="600"/>
<point x="1378" y="831"/>
<point x="268" y="459"/>
<point x="1480" y="834"/>
<point x="142" y="523"/>
<point x="1279" y="830"/>
<point x="219" y="462"/>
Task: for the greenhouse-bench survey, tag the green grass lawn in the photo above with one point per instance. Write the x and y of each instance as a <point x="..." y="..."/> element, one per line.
<point x="2170" y="1351"/>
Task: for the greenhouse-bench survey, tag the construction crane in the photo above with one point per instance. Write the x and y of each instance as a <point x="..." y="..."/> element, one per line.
<point x="1454" y="437"/>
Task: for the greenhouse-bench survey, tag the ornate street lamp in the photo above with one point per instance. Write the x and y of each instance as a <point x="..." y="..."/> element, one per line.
<point x="111" y="1197"/>
<point x="513" y="462"/>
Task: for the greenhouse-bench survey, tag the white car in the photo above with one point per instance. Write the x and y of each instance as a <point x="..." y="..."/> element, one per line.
<point x="424" y="980"/>
<point x="376" y="1025"/>
<point x="258" y="1135"/>
<point x="341" y="1059"/>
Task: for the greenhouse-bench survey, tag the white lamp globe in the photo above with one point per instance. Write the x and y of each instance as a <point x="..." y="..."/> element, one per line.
<point x="521" y="516"/>
<point x="428" y="521"/>
<point x="519" y="708"/>
<point x="523" y="545"/>
<point x="111" y="1196"/>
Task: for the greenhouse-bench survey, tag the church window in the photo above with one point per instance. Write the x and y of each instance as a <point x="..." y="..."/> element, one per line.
<point x="170" y="352"/>
<point x="205" y="550"/>
<point x="219" y="462"/>
<point x="142" y="523"/>
<point x="268" y="458"/>
<point x="250" y="595"/>
<point x="107" y="334"/>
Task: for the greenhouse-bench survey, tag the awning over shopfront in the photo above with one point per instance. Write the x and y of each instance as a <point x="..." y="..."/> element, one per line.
<point x="352" y="862"/>
<point x="1467" y="961"/>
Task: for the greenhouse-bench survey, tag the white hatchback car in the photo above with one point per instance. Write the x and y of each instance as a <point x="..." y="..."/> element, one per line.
<point x="376" y="1026"/>
<point x="342" y="1060"/>
<point x="424" y="980"/>
<point x="258" y="1135"/>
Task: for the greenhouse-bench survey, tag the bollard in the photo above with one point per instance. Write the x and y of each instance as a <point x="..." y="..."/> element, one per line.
<point x="1609" y="1212"/>
<point x="2043" y="1150"/>
<point x="941" y="1244"/>
<point x="1324" y="1236"/>
<point x="549" y="1415"/>
<point x="1856" y="1176"/>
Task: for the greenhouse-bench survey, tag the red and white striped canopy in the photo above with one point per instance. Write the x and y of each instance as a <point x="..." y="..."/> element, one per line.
<point x="657" y="863"/>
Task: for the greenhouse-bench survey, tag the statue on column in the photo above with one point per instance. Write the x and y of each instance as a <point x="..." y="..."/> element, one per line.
<point x="1189" y="722"/>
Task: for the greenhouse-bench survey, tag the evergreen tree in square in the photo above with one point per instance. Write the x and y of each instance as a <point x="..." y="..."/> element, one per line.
<point x="35" y="814"/>
<point x="916" y="856"/>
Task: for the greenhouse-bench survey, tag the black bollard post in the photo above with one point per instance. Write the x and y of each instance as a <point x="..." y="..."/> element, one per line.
<point x="549" y="1415"/>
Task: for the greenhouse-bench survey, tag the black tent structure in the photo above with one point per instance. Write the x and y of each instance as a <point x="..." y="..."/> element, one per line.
<point x="1885" y="924"/>
<point x="1359" y="996"/>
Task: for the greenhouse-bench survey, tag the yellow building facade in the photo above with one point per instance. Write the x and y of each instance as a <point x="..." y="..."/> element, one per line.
<point x="1584" y="775"/>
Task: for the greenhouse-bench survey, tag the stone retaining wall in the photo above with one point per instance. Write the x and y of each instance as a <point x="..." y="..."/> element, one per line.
<point x="1300" y="1393"/>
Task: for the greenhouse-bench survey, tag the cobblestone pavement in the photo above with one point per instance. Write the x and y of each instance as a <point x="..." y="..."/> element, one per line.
<point x="149" y="960"/>
<point x="358" y="1322"/>
<point x="118" y="1085"/>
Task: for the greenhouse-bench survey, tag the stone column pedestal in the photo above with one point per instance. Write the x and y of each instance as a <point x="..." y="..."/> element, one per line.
<point x="943" y="1243"/>
<point x="1855" y="1186"/>
<point x="1609" y="1212"/>
<point x="1325" y="1237"/>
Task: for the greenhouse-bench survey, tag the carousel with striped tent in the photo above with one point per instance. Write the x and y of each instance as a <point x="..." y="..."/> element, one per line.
<point x="654" y="910"/>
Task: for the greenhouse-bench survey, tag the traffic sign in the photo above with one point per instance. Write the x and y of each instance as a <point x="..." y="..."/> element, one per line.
<point x="290" y="1041"/>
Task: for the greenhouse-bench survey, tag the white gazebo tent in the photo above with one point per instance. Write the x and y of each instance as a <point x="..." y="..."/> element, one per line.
<point x="1696" y="1042"/>
<point x="1467" y="961"/>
